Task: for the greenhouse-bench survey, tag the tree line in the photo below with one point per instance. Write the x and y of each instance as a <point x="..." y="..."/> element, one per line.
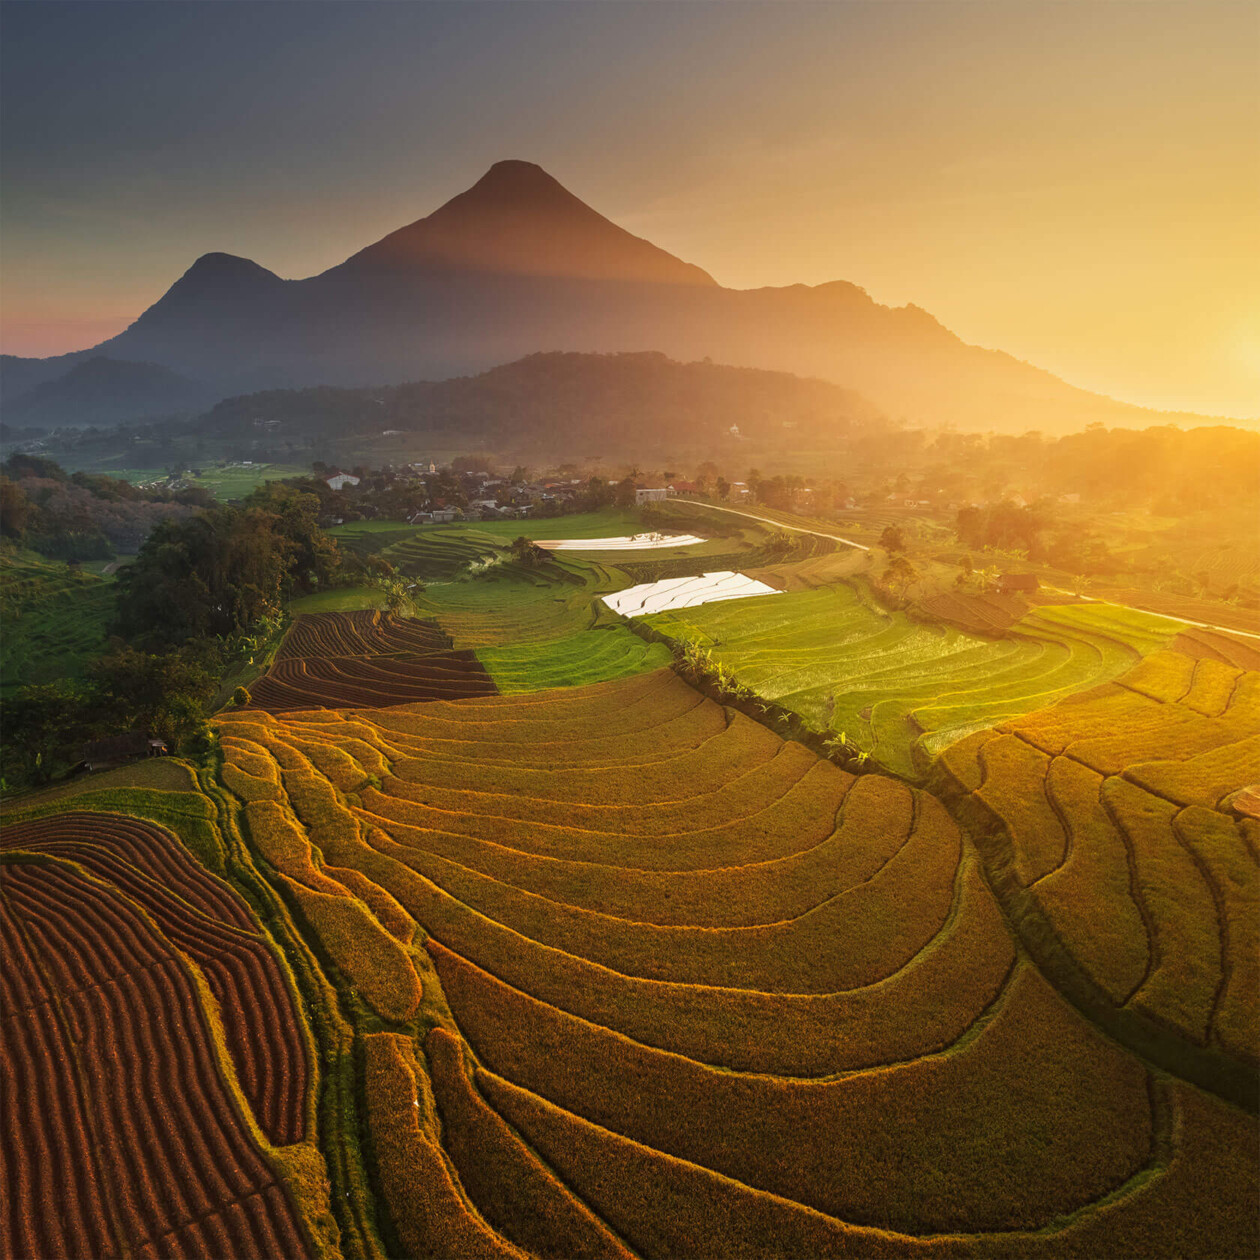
<point x="204" y="594"/>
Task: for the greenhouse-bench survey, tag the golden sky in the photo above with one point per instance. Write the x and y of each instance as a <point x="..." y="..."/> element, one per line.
<point x="1075" y="183"/>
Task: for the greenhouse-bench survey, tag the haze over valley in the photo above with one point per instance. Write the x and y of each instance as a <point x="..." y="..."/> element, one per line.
<point x="616" y="719"/>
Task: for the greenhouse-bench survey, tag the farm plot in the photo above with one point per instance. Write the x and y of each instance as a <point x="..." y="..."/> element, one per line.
<point x="510" y="603"/>
<point x="1109" y="832"/>
<point x="750" y="543"/>
<point x="1219" y="646"/>
<point x="899" y="690"/>
<point x="986" y="613"/>
<point x="112" y="1086"/>
<point x="209" y="922"/>
<point x="734" y="1000"/>
<point x="361" y="633"/>
<point x="822" y="569"/>
<point x="335" y="660"/>
<point x="343" y="681"/>
<point x="589" y="656"/>
<point x="1210" y="612"/>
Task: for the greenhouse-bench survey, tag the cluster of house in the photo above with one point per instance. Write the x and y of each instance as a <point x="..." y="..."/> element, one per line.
<point x="492" y="498"/>
<point x="478" y="495"/>
<point x="658" y="494"/>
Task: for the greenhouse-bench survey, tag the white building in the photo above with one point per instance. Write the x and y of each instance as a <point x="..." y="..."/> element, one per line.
<point x="341" y="480"/>
<point x="650" y="496"/>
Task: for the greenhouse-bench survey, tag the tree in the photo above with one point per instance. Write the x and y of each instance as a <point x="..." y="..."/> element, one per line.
<point x="314" y="557"/>
<point x="15" y="509"/>
<point x="166" y="694"/>
<point x="525" y="552"/>
<point x="892" y="539"/>
<point x="625" y="492"/>
<point x="223" y="571"/>
<point x="42" y="726"/>
<point x="899" y="574"/>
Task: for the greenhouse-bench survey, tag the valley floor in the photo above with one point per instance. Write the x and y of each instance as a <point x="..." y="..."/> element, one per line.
<point x="517" y="928"/>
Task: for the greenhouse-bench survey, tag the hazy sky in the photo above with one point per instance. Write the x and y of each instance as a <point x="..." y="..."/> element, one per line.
<point x="1076" y="183"/>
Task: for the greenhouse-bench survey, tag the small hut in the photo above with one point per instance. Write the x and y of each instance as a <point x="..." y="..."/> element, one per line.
<point x="116" y="750"/>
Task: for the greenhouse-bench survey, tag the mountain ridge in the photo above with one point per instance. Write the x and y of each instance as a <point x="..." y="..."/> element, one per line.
<point x="518" y="264"/>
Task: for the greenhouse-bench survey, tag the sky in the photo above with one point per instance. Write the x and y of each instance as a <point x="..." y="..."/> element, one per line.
<point x="1075" y="183"/>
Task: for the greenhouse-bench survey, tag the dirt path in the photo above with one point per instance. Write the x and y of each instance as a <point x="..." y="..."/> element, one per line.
<point x="769" y="520"/>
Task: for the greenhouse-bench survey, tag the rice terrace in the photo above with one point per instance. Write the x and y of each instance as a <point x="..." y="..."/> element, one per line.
<point x="511" y="923"/>
<point x="523" y="741"/>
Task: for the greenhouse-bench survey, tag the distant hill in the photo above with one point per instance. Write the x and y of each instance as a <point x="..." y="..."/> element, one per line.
<point x="99" y="390"/>
<point x="585" y="404"/>
<point x="517" y="264"/>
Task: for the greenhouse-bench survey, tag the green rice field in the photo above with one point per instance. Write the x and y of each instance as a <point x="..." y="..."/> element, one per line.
<point x="899" y="690"/>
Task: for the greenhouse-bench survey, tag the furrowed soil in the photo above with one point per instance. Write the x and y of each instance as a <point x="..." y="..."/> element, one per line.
<point x="583" y="961"/>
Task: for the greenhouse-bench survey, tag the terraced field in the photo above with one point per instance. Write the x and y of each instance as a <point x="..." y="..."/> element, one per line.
<point x="513" y="603"/>
<point x="900" y="690"/>
<point x="123" y="965"/>
<point x="332" y="660"/>
<point x="1216" y="645"/>
<point x="587" y="657"/>
<point x="442" y="552"/>
<point x="588" y="964"/>
<point x="688" y="990"/>
<point x="1110" y="833"/>
<point x="361" y="633"/>
<point x="55" y="620"/>
<point x="1210" y="612"/>
<point x="212" y="925"/>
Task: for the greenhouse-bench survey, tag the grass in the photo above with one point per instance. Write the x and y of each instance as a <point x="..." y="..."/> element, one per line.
<point x="236" y="482"/>
<point x="513" y="604"/>
<point x="340" y="599"/>
<point x="902" y="691"/>
<point x="55" y="621"/>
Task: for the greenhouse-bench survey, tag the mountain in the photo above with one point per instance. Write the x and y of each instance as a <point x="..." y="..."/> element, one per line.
<point x="516" y="220"/>
<point x="517" y="264"/>
<point x="98" y="390"/>
<point x="568" y="404"/>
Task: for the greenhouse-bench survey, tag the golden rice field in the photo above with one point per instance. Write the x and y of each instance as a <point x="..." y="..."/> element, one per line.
<point x="590" y="964"/>
<point x="686" y="989"/>
<point x="1111" y="836"/>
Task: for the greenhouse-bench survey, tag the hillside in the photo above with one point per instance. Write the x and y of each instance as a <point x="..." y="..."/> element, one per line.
<point x="503" y="930"/>
<point x="100" y="390"/>
<point x="518" y="264"/>
<point x="582" y="403"/>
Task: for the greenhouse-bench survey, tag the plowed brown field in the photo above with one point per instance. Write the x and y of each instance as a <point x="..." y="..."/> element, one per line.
<point x="120" y="1133"/>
